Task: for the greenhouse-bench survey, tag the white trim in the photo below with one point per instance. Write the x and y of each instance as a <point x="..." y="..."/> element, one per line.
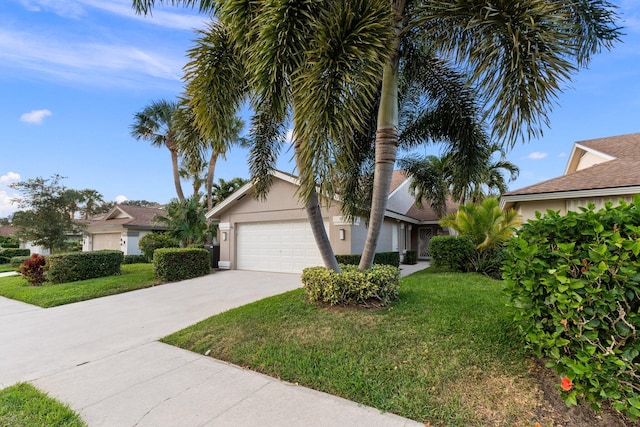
<point x="224" y="226"/>
<point x="224" y="265"/>
<point x="575" y="194"/>
<point x="341" y="220"/>
<point x="576" y="161"/>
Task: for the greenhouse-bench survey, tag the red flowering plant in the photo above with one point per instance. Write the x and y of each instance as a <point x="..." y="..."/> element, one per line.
<point x="33" y="270"/>
<point x="566" y="383"/>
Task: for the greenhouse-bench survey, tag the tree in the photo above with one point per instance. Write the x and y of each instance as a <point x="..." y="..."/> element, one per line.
<point x="185" y="220"/>
<point x="45" y="220"/>
<point x="223" y="189"/>
<point x="155" y="123"/>
<point x="518" y="55"/>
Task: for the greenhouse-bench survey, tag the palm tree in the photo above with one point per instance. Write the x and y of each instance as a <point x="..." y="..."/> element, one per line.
<point x="485" y="223"/>
<point x="155" y="123"/>
<point x="430" y="180"/>
<point x="518" y="56"/>
<point x="223" y="189"/>
<point x="185" y="220"/>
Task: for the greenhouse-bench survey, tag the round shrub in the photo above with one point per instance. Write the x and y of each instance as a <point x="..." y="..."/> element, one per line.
<point x="574" y="281"/>
<point x="375" y="287"/>
<point x="152" y="241"/>
<point x="72" y="267"/>
<point x="33" y="270"/>
<point x="173" y="264"/>
<point x="16" y="261"/>
<point x="451" y="251"/>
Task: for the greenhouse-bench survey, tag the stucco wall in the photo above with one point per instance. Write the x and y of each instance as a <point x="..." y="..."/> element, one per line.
<point x="588" y="160"/>
<point x="528" y="209"/>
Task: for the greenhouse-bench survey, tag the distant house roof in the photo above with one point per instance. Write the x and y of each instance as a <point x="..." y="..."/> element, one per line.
<point x="618" y="172"/>
<point x="7" y="230"/>
<point x="129" y="216"/>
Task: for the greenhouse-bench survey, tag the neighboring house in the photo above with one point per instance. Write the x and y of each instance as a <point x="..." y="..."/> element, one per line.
<point x="274" y="234"/>
<point x="10" y="231"/>
<point x="598" y="170"/>
<point x="121" y="228"/>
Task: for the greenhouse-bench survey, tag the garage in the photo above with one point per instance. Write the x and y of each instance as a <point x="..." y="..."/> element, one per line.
<point x="106" y="241"/>
<point x="280" y="246"/>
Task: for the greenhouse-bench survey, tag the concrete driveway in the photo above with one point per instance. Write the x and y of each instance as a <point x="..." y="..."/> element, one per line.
<point x="103" y="359"/>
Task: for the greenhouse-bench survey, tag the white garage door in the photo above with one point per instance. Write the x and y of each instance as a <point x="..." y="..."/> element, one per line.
<point x="106" y="241"/>
<point x="283" y="246"/>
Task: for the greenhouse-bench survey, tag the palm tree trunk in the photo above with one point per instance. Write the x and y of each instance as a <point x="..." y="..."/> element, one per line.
<point x="209" y="186"/>
<point x="176" y="174"/>
<point x="314" y="214"/>
<point x="386" y="146"/>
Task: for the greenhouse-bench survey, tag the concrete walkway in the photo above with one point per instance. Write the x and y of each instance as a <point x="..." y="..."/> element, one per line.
<point x="103" y="359"/>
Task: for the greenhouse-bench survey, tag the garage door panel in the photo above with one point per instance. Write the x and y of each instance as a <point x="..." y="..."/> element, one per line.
<point x="104" y="241"/>
<point x="283" y="246"/>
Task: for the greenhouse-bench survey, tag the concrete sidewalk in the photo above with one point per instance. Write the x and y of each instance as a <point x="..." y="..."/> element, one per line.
<point x="103" y="359"/>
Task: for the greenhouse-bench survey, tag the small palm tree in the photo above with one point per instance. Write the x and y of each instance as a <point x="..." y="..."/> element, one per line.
<point x="223" y="189"/>
<point x="185" y="220"/>
<point x="155" y="123"/>
<point x="485" y="223"/>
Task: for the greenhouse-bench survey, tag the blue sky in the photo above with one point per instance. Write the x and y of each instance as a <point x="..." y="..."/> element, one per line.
<point x="74" y="72"/>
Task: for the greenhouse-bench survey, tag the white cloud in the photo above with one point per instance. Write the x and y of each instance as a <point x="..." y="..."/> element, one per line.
<point x="563" y="154"/>
<point x="35" y="117"/>
<point x="65" y="8"/>
<point x="121" y="199"/>
<point x="91" y="63"/>
<point x="289" y="137"/>
<point x="7" y="194"/>
<point x="537" y="155"/>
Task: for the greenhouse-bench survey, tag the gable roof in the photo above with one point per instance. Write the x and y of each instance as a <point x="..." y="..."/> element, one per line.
<point x="130" y="217"/>
<point x="619" y="173"/>
<point x="407" y="211"/>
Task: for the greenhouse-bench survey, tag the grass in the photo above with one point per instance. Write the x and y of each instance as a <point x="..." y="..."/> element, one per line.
<point x="22" y="405"/>
<point x="134" y="276"/>
<point x="445" y="354"/>
<point x="6" y="267"/>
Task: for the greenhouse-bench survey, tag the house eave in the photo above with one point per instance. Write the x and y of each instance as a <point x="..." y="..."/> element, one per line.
<point x="507" y="202"/>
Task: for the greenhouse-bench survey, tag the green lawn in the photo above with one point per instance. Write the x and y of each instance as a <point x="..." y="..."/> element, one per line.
<point x="134" y="276"/>
<point x="22" y="405"/>
<point x="6" y="267"/>
<point x="446" y="353"/>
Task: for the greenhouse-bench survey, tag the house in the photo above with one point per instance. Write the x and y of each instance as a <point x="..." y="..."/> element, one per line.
<point x="598" y="171"/>
<point x="121" y="228"/>
<point x="274" y="234"/>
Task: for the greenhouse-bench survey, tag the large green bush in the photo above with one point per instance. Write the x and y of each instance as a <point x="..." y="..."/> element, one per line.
<point x="11" y="252"/>
<point x="9" y="242"/>
<point x="376" y="287"/>
<point x="152" y="241"/>
<point x="382" y="258"/>
<point x="575" y="283"/>
<point x="173" y="264"/>
<point x="452" y="251"/>
<point x="17" y="261"/>
<point x="63" y="268"/>
<point x="134" y="259"/>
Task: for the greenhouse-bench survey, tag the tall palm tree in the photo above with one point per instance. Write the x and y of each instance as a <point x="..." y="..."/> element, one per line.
<point x="223" y="189"/>
<point x="518" y="56"/>
<point x="155" y="123"/>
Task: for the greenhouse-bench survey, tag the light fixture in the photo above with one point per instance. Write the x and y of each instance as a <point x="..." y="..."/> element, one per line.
<point x="224" y="236"/>
<point x="342" y="234"/>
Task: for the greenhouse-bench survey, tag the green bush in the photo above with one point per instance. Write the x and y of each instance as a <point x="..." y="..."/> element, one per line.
<point x="173" y="264"/>
<point x="375" y="287"/>
<point x="152" y="241"/>
<point x="8" y="242"/>
<point x="11" y="252"/>
<point x="134" y="259"/>
<point x="4" y="260"/>
<point x="575" y="283"/>
<point x="452" y="251"/>
<point x="33" y="270"/>
<point x="411" y="257"/>
<point x="382" y="258"/>
<point x="71" y="267"/>
<point x="17" y="261"/>
<point x="488" y="261"/>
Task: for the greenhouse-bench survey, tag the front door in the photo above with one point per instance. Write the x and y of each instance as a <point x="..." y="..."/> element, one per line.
<point x="424" y="237"/>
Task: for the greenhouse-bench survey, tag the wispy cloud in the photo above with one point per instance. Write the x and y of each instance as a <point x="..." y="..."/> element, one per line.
<point x="35" y="117"/>
<point x="563" y="154"/>
<point x="121" y="199"/>
<point x="537" y="155"/>
<point x="168" y="17"/>
<point x="92" y="63"/>
<point x="7" y="194"/>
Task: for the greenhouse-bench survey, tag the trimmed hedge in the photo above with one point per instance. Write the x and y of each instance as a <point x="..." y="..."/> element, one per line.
<point x="574" y="281"/>
<point x="452" y="251"/>
<point x="411" y="257"/>
<point x="152" y="241"/>
<point x="11" y="252"/>
<point x="63" y="268"/>
<point x="4" y="260"/>
<point x="17" y="261"/>
<point x="382" y="258"/>
<point x="375" y="287"/>
<point x="134" y="259"/>
<point x="173" y="264"/>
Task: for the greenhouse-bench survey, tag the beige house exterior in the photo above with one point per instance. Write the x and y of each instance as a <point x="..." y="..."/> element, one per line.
<point x="598" y="171"/>
<point x="121" y="229"/>
<point x="274" y="234"/>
